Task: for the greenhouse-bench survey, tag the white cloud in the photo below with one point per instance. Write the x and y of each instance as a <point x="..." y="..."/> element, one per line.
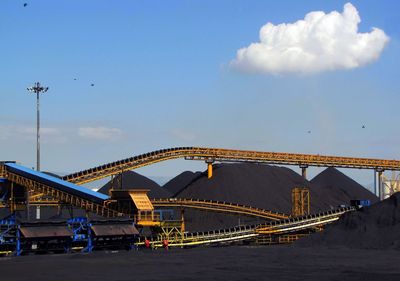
<point x="99" y="133"/>
<point x="320" y="42"/>
<point x="31" y="131"/>
<point x="28" y="133"/>
<point x="183" y="135"/>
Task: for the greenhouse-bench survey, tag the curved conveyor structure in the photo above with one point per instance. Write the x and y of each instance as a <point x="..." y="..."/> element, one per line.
<point x="240" y="233"/>
<point x="226" y="155"/>
<point x="217" y="206"/>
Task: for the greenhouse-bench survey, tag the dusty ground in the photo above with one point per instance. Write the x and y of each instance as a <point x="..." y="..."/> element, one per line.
<point x="223" y="263"/>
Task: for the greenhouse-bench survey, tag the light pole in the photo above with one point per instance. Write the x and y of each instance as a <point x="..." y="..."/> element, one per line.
<point x="37" y="89"/>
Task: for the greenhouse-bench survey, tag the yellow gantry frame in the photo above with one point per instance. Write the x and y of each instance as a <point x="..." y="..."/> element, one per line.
<point x="226" y="155"/>
<point x="300" y="201"/>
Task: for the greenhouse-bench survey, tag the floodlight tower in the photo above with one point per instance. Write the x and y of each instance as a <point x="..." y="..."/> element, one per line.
<point x="37" y="89"/>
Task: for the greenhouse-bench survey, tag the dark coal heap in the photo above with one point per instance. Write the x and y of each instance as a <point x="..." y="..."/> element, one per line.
<point x="178" y="183"/>
<point x="256" y="185"/>
<point x="132" y="180"/>
<point x="332" y="188"/>
<point x="374" y="227"/>
<point x="264" y="186"/>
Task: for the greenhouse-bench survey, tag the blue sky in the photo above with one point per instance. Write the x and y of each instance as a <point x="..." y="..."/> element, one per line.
<point x="162" y="78"/>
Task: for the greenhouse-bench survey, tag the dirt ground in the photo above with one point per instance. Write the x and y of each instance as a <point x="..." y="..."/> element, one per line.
<point x="209" y="263"/>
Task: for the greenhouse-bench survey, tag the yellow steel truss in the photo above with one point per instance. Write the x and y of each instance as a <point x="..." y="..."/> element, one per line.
<point x="222" y="155"/>
<point x="217" y="206"/>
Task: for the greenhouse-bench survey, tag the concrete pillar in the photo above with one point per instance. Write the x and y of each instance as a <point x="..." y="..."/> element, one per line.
<point x="28" y="213"/>
<point x="304" y="171"/>
<point x="380" y="186"/>
<point x="38" y="212"/>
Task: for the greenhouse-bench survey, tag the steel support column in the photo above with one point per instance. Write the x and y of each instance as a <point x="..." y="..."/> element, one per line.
<point x="209" y="168"/>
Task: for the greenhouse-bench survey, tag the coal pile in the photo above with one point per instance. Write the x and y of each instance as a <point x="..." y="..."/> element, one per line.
<point x="178" y="183"/>
<point x="374" y="227"/>
<point x="248" y="184"/>
<point x="256" y="185"/>
<point x="263" y="186"/>
<point x="332" y="188"/>
<point x="133" y="180"/>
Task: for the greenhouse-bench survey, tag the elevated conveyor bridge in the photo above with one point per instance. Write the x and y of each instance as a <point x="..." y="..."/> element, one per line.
<point x="229" y="155"/>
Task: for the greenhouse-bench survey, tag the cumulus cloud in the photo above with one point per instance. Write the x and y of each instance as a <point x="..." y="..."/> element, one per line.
<point x="183" y="135"/>
<point x="319" y="42"/>
<point x="99" y="133"/>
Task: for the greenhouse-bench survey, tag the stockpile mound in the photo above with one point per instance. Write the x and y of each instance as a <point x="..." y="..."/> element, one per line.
<point x="332" y="188"/>
<point x="256" y="185"/>
<point x="263" y="186"/>
<point x="377" y="227"/>
<point x="133" y="180"/>
<point x="178" y="183"/>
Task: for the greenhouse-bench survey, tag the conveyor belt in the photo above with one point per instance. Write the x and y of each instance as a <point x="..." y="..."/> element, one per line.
<point x="58" y="189"/>
<point x="303" y="222"/>
<point x="217" y="206"/>
<point x="284" y="226"/>
<point x="226" y="155"/>
<point x="57" y="183"/>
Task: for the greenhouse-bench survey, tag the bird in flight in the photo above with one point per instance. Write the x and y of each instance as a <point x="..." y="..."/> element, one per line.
<point x="92" y="84"/>
<point x="25" y="4"/>
<point x="309" y="132"/>
<point x="363" y="126"/>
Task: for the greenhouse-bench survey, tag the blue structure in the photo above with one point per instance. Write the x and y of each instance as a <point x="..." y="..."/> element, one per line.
<point x="360" y="203"/>
<point x="82" y="232"/>
<point x="57" y="183"/>
<point x="10" y="235"/>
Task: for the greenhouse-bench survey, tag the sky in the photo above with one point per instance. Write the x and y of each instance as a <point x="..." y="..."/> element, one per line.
<point x="284" y="76"/>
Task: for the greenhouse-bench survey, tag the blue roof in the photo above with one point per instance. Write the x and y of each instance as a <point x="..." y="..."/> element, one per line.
<point x="69" y="187"/>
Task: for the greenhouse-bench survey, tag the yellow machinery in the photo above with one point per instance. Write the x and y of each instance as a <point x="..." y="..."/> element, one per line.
<point x="300" y="201"/>
<point x="136" y="203"/>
